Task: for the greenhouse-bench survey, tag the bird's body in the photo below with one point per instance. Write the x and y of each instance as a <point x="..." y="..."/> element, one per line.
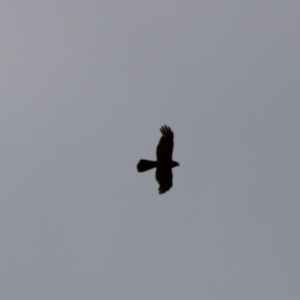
<point x="164" y="162"/>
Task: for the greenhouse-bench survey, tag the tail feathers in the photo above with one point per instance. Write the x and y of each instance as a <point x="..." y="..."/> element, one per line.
<point x="145" y="165"/>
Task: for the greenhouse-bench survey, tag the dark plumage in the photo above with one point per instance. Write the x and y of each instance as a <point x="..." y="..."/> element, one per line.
<point x="164" y="162"/>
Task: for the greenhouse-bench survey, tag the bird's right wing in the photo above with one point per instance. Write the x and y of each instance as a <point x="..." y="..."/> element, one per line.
<point x="164" y="177"/>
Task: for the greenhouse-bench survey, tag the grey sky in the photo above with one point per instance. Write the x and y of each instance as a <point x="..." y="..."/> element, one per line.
<point x="85" y="87"/>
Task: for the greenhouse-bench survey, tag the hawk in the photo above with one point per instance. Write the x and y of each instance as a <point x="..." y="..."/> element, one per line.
<point x="164" y="162"/>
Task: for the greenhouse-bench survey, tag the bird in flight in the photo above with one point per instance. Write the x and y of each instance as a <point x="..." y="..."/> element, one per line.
<point x="164" y="162"/>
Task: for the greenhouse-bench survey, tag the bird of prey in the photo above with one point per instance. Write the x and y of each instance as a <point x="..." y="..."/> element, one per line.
<point x="164" y="162"/>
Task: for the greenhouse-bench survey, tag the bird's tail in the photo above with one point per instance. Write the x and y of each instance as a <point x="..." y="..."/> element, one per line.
<point x="145" y="165"/>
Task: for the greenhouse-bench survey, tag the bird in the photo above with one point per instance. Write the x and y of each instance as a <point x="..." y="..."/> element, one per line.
<point x="164" y="162"/>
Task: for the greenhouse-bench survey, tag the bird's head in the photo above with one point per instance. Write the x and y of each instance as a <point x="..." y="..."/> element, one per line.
<point x="175" y="164"/>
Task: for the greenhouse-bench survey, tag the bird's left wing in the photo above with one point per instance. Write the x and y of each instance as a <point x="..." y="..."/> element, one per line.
<point x="165" y="146"/>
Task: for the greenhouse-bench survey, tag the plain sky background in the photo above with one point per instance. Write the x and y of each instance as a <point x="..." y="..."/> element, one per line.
<point x="85" y="87"/>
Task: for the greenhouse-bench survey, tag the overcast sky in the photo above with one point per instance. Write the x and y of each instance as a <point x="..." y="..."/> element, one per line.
<point x="85" y="87"/>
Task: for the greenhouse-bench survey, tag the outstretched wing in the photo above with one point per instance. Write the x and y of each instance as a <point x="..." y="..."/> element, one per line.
<point x="165" y="146"/>
<point x="164" y="177"/>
